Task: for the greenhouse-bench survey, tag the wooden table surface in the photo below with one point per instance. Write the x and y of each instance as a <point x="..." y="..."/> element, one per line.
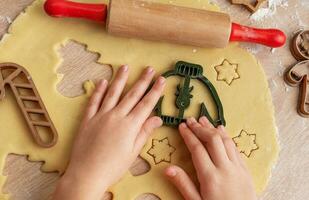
<point x="290" y="176"/>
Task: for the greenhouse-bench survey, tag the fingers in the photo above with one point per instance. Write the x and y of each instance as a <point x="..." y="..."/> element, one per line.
<point x="145" y="107"/>
<point x="205" y="122"/>
<point x="240" y="160"/>
<point x="115" y="90"/>
<point x="212" y="140"/>
<point x="183" y="183"/>
<point x="95" y="100"/>
<point x="200" y="156"/>
<point x="137" y="92"/>
<point x="149" y="126"/>
<point x="229" y="144"/>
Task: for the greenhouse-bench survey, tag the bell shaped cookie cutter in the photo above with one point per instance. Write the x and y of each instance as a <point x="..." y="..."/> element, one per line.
<point x="29" y="102"/>
<point x="298" y="76"/>
<point x="300" y="45"/>
<point x="183" y="95"/>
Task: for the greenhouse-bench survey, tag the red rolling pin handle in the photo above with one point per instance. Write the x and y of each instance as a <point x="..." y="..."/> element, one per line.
<point x="62" y="8"/>
<point x="269" y="37"/>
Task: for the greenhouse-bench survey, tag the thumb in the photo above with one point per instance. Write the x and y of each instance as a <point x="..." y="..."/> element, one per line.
<point x="182" y="182"/>
<point x="146" y="130"/>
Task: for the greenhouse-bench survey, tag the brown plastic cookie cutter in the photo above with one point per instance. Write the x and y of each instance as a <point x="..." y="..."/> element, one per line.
<point x="252" y="6"/>
<point x="300" y="45"/>
<point x="29" y="102"/>
<point x="298" y="76"/>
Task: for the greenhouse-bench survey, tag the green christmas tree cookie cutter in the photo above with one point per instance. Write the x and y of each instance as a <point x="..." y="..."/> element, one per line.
<point x="183" y="93"/>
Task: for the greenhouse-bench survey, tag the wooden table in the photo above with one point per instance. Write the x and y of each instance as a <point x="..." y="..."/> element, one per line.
<point x="290" y="177"/>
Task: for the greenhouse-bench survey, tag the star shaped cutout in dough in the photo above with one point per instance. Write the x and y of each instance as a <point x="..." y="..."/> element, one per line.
<point x="161" y="151"/>
<point x="227" y="72"/>
<point x="246" y="143"/>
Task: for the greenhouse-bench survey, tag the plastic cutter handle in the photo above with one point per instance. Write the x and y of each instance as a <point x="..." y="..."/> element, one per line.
<point x="63" y="8"/>
<point x="269" y="37"/>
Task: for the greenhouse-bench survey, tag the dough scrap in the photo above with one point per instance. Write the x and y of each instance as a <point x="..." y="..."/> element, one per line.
<point x="33" y="42"/>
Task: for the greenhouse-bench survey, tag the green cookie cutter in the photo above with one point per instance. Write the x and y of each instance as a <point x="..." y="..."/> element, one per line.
<point x="190" y="71"/>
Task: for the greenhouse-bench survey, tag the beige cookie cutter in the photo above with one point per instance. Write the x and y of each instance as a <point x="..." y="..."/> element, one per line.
<point x="253" y="7"/>
<point x="298" y="76"/>
<point x="29" y="102"/>
<point x="300" y="45"/>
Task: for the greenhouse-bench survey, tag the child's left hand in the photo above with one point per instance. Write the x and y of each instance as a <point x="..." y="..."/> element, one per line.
<point x="112" y="134"/>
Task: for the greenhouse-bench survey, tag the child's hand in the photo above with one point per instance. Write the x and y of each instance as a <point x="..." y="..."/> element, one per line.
<point x="112" y="134"/>
<point x="221" y="172"/>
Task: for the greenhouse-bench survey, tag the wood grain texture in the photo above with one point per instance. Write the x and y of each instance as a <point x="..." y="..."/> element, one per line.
<point x="9" y="10"/>
<point x="161" y="22"/>
<point x="290" y="176"/>
<point x="79" y="66"/>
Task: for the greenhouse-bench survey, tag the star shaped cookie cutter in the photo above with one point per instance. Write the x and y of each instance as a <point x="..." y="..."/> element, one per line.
<point x="190" y="71"/>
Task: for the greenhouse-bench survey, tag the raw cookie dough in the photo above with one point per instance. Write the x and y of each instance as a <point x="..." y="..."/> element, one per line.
<point x="33" y="42"/>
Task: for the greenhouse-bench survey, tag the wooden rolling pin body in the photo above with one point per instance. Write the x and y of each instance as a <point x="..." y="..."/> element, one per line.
<point x="162" y="22"/>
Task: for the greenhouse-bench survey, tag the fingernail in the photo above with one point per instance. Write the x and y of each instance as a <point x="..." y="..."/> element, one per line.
<point x="183" y="125"/>
<point x="204" y="119"/>
<point x="101" y="83"/>
<point x="171" y="172"/>
<point x="221" y="128"/>
<point x="191" y="121"/>
<point x="149" y="70"/>
<point x="161" y="80"/>
<point x="159" y="121"/>
<point x="125" y="68"/>
<point x="104" y="82"/>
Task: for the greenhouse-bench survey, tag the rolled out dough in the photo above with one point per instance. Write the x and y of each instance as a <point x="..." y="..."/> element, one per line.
<point x="33" y="42"/>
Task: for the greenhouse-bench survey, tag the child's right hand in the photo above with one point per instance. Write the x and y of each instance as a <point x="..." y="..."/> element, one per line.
<point x="221" y="172"/>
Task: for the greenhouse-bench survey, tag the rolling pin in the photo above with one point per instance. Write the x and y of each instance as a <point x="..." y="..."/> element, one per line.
<point x="165" y="22"/>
